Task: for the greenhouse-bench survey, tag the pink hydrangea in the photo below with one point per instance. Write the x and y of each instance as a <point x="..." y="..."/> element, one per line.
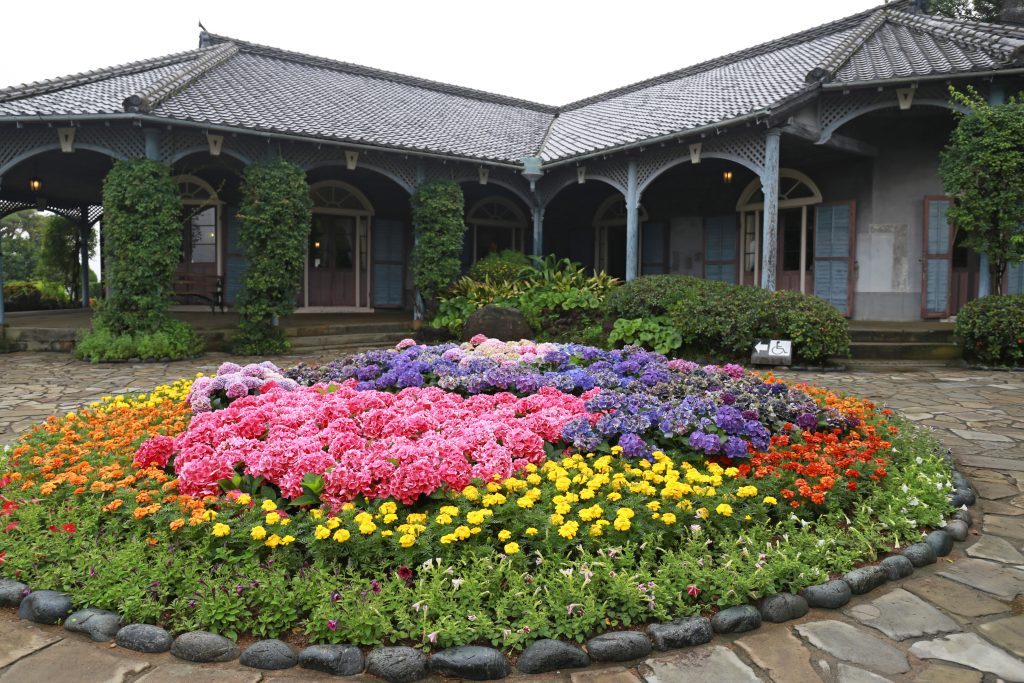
<point x="154" y="452"/>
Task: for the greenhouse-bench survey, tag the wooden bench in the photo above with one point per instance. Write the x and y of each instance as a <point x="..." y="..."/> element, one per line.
<point x="208" y="288"/>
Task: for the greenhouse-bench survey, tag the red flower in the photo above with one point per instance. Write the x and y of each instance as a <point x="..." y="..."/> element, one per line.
<point x="851" y="485"/>
<point x="692" y="590"/>
<point x="70" y="528"/>
<point x="267" y="386"/>
<point x="52" y="527"/>
<point x="10" y="525"/>
<point x="3" y="556"/>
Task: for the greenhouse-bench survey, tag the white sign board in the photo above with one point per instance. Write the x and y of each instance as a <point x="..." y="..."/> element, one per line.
<point x="772" y="352"/>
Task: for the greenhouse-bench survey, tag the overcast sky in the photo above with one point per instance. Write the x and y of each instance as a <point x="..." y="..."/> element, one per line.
<point x="551" y="51"/>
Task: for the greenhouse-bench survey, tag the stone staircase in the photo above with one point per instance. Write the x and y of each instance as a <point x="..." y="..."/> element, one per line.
<point x="919" y="341"/>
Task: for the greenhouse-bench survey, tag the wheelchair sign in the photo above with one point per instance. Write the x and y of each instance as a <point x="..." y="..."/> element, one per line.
<point x="772" y="352"/>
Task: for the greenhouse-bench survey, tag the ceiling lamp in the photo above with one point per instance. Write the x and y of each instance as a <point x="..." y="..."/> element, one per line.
<point x="726" y="177"/>
<point x="35" y="184"/>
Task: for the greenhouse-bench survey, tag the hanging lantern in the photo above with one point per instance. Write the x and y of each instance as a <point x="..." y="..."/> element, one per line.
<point x="35" y="184"/>
<point x="726" y="177"/>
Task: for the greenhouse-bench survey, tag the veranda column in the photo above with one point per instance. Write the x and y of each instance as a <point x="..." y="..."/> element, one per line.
<point x="632" y="222"/>
<point x="770" y="185"/>
<point x="83" y="238"/>
<point x="996" y="96"/>
<point x="538" y="230"/>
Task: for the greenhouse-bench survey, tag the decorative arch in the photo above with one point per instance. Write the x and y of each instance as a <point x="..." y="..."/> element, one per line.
<point x="195" y="191"/>
<point x="833" y="126"/>
<point x="523" y="196"/>
<point x="795" y="189"/>
<point x="337" y="197"/>
<point x="393" y="177"/>
<point x="612" y="212"/>
<point x="36" y="151"/>
<point x="205" y="149"/>
<point x="549" y="194"/>
<point x="658" y="171"/>
<point x="498" y="211"/>
<point x="495" y="223"/>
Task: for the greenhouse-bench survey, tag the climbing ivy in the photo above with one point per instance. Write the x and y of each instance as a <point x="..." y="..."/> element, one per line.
<point x="142" y="232"/>
<point x="275" y="216"/>
<point x="438" y="209"/>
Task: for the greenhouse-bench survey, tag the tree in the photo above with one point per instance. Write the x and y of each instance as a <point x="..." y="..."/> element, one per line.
<point x="438" y="211"/>
<point x="60" y="254"/>
<point x="983" y="170"/>
<point x="20" y="237"/>
<point x="977" y="10"/>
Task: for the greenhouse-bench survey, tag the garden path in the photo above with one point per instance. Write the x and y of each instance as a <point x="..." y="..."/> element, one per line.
<point x="959" y="621"/>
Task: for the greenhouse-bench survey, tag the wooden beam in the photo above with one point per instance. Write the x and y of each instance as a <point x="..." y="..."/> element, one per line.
<point x="843" y="143"/>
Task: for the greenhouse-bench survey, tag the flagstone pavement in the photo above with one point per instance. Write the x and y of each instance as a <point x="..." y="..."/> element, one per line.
<point x="958" y="621"/>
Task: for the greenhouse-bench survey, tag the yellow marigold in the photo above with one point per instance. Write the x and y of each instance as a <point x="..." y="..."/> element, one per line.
<point x="746" y="491"/>
<point x="724" y="509"/>
<point x="462" y="532"/>
<point x="654" y="505"/>
<point x="534" y="494"/>
<point x="341" y="535"/>
<point x="447" y="539"/>
<point x="268" y="506"/>
<point x="563" y="508"/>
<point x="421" y="518"/>
<point x="563" y="483"/>
<point x="388" y="508"/>
<point x="322" y="532"/>
<point x="586" y="494"/>
<point x="333" y="522"/>
<point x="531" y="531"/>
<point x="367" y="528"/>
<point x="287" y="539"/>
<point x="471" y="493"/>
<point x="389" y="518"/>
<point x="524" y="502"/>
<point x="555" y="519"/>
<point x="443" y="519"/>
<point x="703" y="513"/>
<point x="243" y="499"/>
<point x="273" y="518"/>
<point x="511" y="548"/>
<point x="285" y="521"/>
<point x="220" y="529"/>
<point x="732" y="472"/>
<point x="478" y="516"/>
<point x="595" y="530"/>
<point x="494" y="499"/>
<point x="710" y="491"/>
<point x="387" y="533"/>
<point x="258" y="533"/>
<point x="363" y="517"/>
<point x="348" y="507"/>
<point x="625" y="513"/>
<point x="534" y="479"/>
<point x="407" y="541"/>
<point x="513" y="484"/>
<point x="504" y="535"/>
<point x="569" y="529"/>
<point x="177" y="524"/>
<point x="493" y="486"/>
<point x="622" y="524"/>
<point x="769" y="500"/>
<point x="668" y="518"/>
<point x="209" y="515"/>
<point x="614" y="496"/>
<point x="450" y="510"/>
<point x="316" y="513"/>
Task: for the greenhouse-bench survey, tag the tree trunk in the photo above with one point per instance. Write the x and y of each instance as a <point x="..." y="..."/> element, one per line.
<point x="996" y="269"/>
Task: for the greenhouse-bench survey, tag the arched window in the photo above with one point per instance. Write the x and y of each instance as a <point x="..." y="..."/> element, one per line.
<point x="496" y="223"/>
<point x="200" y="225"/>
<point x="795" y="190"/>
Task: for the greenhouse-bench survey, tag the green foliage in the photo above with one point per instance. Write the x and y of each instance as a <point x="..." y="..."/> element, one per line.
<point x="172" y="340"/>
<point x="992" y="330"/>
<point x="656" y="333"/>
<point x="438" y="208"/>
<point x="275" y="215"/>
<point x="60" y="254"/>
<point x="34" y="295"/>
<point x="500" y="268"/>
<point x="979" y="10"/>
<point x="556" y="296"/>
<point x="982" y="168"/>
<point x="650" y="295"/>
<point x="20" y="237"/>
<point x="142" y="233"/>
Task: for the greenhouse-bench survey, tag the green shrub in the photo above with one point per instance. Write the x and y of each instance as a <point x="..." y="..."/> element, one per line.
<point x="500" y="268"/>
<point x="817" y="329"/>
<point x="438" y="208"/>
<point x="651" y="295"/>
<point x="173" y="339"/>
<point x="276" y="214"/>
<point x="992" y="330"/>
<point x="35" y="295"/>
<point x="656" y="333"/>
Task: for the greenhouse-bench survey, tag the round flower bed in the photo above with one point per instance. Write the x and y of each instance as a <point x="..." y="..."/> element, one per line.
<point x="491" y="493"/>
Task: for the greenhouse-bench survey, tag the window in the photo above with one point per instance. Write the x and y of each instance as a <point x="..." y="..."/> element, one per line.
<point x="496" y="224"/>
<point x="199" y="222"/>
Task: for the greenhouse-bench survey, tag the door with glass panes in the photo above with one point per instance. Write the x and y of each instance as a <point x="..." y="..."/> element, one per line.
<point x="333" y="260"/>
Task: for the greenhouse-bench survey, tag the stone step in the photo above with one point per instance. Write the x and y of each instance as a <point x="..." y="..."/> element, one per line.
<point x="384" y="328"/>
<point x="347" y="341"/>
<point x="918" y="335"/>
<point x="881" y="350"/>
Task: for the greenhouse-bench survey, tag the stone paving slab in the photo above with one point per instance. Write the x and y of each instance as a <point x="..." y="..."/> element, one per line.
<point x="995" y="548"/>
<point x="19" y="641"/>
<point x="1007" y="633"/>
<point x="953" y="597"/>
<point x="781" y="654"/>
<point x="901" y="615"/>
<point x="86" y="662"/>
<point x="971" y="650"/>
<point x="942" y="673"/>
<point x="855" y="645"/>
<point x="713" y="664"/>
<point x="175" y="671"/>
<point x="851" y="674"/>
<point x="616" y="674"/>
<point x="991" y="577"/>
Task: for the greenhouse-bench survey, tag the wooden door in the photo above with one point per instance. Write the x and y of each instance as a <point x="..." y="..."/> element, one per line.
<point x="937" y="264"/>
<point x="388" y="262"/>
<point x="721" y="246"/>
<point x="834" y="254"/>
<point x="332" y="261"/>
<point x="653" y="238"/>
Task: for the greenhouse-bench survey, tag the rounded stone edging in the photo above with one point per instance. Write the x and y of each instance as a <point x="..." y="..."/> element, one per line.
<point x="402" y="664"/>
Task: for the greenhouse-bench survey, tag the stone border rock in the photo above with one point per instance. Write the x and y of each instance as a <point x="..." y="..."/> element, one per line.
<point x="400" y="664"/>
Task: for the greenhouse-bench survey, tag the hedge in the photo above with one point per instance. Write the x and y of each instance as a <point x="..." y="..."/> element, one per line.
<point x="992" y="330"/>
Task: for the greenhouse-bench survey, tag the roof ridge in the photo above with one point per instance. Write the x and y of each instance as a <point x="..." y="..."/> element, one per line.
<point x="1010" y="48"/>
<point x="359" y="70"/>
<point x="149" y="97"/>
<point x="831" y="64"/>
<point x="790" y="40"/>
<point x="15" y="92"/>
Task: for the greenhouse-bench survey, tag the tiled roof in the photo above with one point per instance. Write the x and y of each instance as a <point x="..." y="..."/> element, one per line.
<point x="243" y="85"/>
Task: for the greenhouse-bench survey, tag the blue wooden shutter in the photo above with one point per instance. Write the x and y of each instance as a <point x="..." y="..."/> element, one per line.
<point x="833" y="251"/>
<point x="388" y="266"/>
<point x="936" y="266"/>
<point x="720" y="236"/>
<point x="236" y="266"/>
<point x="1015" y="277"/>
<point x="652" y="249"/>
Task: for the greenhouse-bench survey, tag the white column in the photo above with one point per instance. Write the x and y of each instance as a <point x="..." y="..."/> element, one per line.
<point x="632" y="222"/>
<point x="83" y="237"/>
<point x="803" y="249"/>
<point x="770" y="185"/>
<point x="538" y="230"/>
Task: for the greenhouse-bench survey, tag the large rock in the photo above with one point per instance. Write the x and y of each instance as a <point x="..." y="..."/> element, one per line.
<point x="551" y="655"/>
<point x="269" y="654"/>
<point x="783" y="607"/>
<point x="474" y="662"/>
<point x="736" y="619"/>
<point x="12" y="592"/>
<point x="45" y="607"/>
<point x="940" y="541"/>
<point x="920" y="554"/>
<point x="203" y="646"/>
<point x="957" y="529"/>
<point x="397" y="664"/>
<point x="507" y="324"/>
<point x="681" y="633"/>
<point x="100" y="625"/>
<point x="620" y="646"/>
<point x="864" y="579"/>
<point x="144" y="638"/>
<point x="897" y="567"/>
<point x="830" y="595"/>
<point x="340" y="660"/>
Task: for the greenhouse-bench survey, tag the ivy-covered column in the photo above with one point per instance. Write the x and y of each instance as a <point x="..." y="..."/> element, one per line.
<point x="275" y="217"/>
<point x="438" y="217"/>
